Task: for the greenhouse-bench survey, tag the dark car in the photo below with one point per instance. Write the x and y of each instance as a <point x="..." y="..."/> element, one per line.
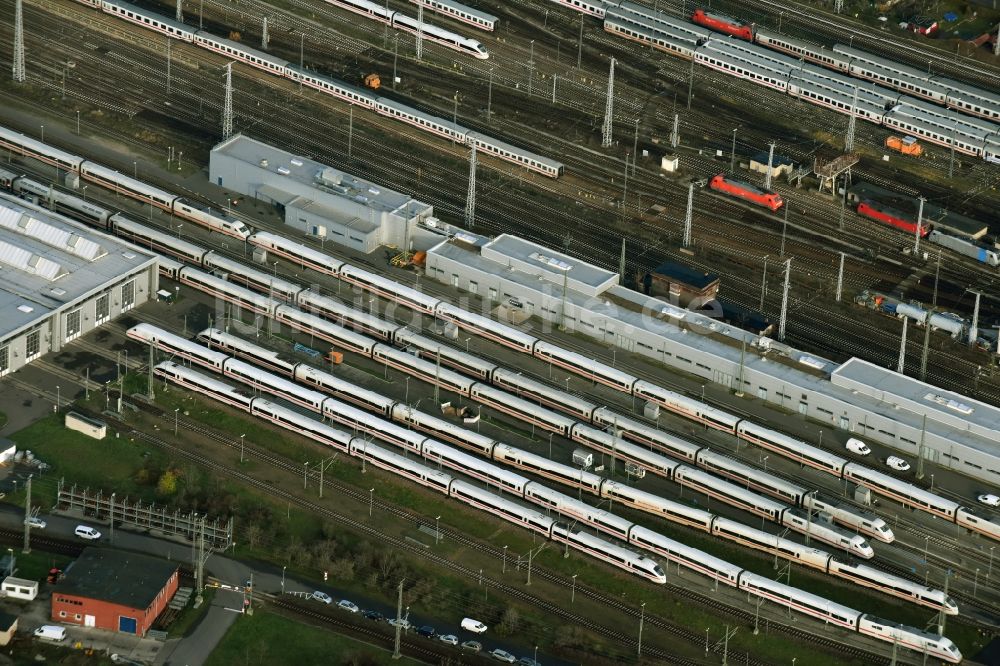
<point x="426" y="631"/>
<point x="373" y="615"/>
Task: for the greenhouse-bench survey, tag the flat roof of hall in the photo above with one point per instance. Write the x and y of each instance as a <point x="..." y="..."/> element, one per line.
<point x="281" y="165"/>
<point x="546" y="260"/>
<point x="956" y="410"/>
<point x="47" y="260"/>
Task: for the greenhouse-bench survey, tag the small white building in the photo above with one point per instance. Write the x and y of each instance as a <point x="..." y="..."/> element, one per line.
<point x="19" y="588"/>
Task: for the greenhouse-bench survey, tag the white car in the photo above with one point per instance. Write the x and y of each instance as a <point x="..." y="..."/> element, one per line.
<point x="475" y="626"/>
<point x="503" y="655"/>
<point x="989" y="500"/>
<point x="36" y="523"/>
<point x="448" y="639"/>
<point x="897" y="463"/>
<point x="87" y="532"/>
<point x="348" y="606"/>
<point x="855" y="445"/>
<point x="402" y="624"/>
<point x="321" y="597"/>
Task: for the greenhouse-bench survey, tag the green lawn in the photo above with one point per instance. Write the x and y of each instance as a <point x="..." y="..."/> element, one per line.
<point x="110" y="464"/>
<point x="268" y="638"/>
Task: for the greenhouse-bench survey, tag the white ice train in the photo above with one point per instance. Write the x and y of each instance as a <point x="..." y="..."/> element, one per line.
<point x="524" y="410"/>
<point x="492" y="449"/>
<point x="934" y="645"/>
<point x="897" y="489"/>
<point x="519" y="385"/>
<point x="435" y="479"/>
<point x="349" y="93"/>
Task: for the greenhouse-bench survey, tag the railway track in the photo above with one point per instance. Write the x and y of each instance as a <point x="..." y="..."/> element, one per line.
<point x="651" y="621"/>
<point x="515" y="214"/>
<point x="955" y="546"/>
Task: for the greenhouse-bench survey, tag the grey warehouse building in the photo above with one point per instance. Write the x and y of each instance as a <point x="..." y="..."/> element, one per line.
<point x="60" y="279"/>
<point x="855" y="396"/>
<point x="317" y="199"/>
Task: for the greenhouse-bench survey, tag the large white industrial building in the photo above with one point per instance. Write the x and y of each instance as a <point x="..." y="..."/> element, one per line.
<point x="855" y="396"/>
<point x="316" y="199"/>
<point x="60" y="279"/>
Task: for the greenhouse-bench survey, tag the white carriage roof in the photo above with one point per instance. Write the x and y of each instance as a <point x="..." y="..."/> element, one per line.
<point x="294" y="176"/>
<point x="681" y="329"/>
<point x="47" y="260"/>
<point x="902" y="392"/>
<point x="540" y="262"/>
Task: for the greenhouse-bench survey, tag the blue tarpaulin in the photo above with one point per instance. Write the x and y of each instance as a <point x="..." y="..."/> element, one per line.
<point x="950" y="16"/>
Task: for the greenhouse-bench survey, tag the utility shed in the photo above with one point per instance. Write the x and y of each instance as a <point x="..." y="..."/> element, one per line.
<point x="60" y="279"/>
<point x="114" y="590"/>
<point x="779" y="164"/>
<point x="681" y="284"/>
<point x="317" y="199"/>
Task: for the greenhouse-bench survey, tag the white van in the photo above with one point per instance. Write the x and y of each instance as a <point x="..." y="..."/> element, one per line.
<point x="51" y="632"/>
<point x="475" y="626"/>
<point x="857" y="446"/>
<point x="87" y="532"/>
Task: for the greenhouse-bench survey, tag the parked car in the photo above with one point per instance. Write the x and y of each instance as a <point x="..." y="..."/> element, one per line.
<point x="348" y="606"/>
<point x="857" y="446"/>
<point x="989" y="500"/>
<point x="897" y="463"/>
<point x="401" y="623"/>
<point x="373" y="615"/>
<point x="87" y="532"/>
<point x="448" y="639"/>
<point x="322" y="597"/>
<point x="36" y="523"/>
<point x="503" y="655"/>
<point x="527" y="661"/>
<point x="426" y="631"/>
<point x="475" y="626"/>
<point x="472" y="646"/>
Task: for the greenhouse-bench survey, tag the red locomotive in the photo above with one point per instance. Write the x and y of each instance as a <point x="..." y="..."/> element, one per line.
<point x="891" y="216"/>
<point x="751" y="193"/>
<point x="721" y="23"/>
